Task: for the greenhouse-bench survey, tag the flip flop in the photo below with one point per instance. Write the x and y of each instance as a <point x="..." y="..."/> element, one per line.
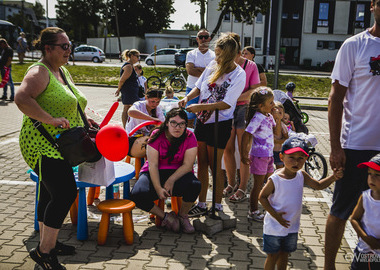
<point x="236" y="199"/>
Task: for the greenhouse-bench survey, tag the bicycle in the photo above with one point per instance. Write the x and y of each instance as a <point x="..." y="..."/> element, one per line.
<point x="316" y="165"/>
<point x="305" y="116"/>
<point x="175" y="78"/>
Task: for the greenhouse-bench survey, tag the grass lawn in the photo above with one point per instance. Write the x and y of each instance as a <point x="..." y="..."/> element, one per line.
<point x="306" y="86"/>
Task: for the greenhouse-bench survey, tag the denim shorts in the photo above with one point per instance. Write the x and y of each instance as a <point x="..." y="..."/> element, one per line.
<point x="275" y="244"/>
<point x="348" y="189"/>
<point x="261" y="165"/>
<point x="239" y="116"/>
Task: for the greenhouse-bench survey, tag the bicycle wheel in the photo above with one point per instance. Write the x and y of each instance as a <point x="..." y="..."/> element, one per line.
<point x="316" y="166"/>
<point x="153" y="81"/>
<point x="305" y="117"/>
<point x="178" y="84"/>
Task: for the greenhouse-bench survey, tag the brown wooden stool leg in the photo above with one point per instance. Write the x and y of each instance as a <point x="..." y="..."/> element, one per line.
<point x="103" y="228"/>
<point x="74" y="211"/>
<point x="128" y="227"/>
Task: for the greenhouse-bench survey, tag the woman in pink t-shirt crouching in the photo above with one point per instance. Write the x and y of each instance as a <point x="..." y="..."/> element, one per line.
<point x="171" y="153"/>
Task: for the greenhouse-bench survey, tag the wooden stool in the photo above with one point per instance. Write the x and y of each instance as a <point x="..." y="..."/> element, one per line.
<point x="139" y="162"/>
<point x="176" y="205"/>
<point x="117" y="206"/>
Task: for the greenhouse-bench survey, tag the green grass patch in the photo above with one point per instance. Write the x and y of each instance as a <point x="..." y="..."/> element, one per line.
<point x="306" y="86"/>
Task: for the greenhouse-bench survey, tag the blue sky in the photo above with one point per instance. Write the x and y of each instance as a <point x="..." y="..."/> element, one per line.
<point x="185" y="12"/>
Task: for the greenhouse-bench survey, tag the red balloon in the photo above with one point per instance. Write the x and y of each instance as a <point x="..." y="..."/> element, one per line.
<point x="109" y="114"/>
<point x="143" y="124"/>
<point x="112" y="142"/>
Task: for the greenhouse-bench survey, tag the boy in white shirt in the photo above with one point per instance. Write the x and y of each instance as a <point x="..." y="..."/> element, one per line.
<point x="282" y="199"/>
<point x="365" y="219"/>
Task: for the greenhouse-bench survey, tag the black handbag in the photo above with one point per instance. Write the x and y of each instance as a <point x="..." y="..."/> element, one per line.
<point x="74" y="144"/>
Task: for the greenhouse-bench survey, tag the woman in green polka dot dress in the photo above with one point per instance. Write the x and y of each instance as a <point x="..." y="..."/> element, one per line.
<point x="44" y="96"/>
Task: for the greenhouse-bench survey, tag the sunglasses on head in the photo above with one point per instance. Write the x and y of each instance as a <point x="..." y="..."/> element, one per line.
<point x="203" y="36"/>
<point x="64" y="46"/>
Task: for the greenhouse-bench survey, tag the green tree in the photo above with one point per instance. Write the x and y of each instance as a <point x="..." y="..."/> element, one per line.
<point x="202" y="12"/>
<point x="190" y="27"/>
<point x="39" y="10"/>
<point x="80" y="19"/>
<point x="139" y="17"/>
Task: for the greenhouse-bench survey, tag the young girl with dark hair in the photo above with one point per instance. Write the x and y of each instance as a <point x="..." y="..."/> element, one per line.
<point x="168" y="171"/>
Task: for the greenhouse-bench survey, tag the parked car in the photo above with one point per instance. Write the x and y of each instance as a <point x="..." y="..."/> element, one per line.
<point x="180" y="56"/>
<point x="163" y="56"/>
<point x="89" y="53"/>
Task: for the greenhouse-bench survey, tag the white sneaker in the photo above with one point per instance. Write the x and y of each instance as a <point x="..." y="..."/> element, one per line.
<point x="256" y="215"/>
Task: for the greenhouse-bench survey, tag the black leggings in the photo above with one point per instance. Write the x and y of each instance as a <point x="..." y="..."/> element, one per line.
<point x="144" y="194"/>
<point x="58" y="191"/>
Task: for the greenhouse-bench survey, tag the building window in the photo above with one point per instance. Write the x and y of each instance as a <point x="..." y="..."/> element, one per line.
<point x="296" y="16"/>
<point x="323" y="15"/>
<point x="258" y="43"/>
<point x="328" y="45"/>
<point x="247" y="41"/>
<point x="359" y="17"/>
<point x="227" y="17"/>
<point x="284" y="15"/>
<point x="259" y="18"/>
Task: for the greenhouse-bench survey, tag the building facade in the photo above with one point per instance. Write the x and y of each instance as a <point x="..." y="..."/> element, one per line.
<point x="312" y="31"/>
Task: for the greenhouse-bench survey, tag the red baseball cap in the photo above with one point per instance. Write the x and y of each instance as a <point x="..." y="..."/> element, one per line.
<point x="374" y="163"/>
<point x="295" y="144"/>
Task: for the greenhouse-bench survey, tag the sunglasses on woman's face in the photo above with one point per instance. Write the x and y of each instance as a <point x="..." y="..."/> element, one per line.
<point x="203" y="36"/>
<point x="64" y="46"/>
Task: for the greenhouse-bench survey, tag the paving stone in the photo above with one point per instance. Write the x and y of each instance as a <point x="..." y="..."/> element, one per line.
<point x="157" y="261"/>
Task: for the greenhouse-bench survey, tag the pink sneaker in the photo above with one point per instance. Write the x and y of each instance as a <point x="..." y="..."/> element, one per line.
<point x="185" y="224"/>
<point x="171" y="222"/>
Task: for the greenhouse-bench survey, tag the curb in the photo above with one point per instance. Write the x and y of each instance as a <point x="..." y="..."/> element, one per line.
<point x="314" y="108"/>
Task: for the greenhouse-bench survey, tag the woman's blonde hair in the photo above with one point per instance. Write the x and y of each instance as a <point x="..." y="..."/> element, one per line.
<point x="128" y="53"/>
<point x="229" y="49"/>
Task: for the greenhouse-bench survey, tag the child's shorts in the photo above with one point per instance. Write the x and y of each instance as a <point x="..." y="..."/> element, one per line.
<point x="261" y="165"/>
<point x="277" y="160"/>
<point x="275" y="244"/>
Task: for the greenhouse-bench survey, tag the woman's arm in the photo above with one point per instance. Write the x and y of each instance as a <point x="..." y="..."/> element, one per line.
<point x="355" y="219"/>
<point x="263" y="79"/>
<point x="247" y="94"/>
<point x="133" y="112"/>
<point x="33" y="84"/>
<point x="125" y="76"/>
<point x="186" y="167"/>
<point x="153" y="157"/>
<point x="192" y="94"/>
<point x="220" y="105"/>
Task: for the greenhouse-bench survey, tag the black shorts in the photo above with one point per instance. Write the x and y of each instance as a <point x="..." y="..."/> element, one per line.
<point x="205" y="133"/>
<point x="348" y="189"/>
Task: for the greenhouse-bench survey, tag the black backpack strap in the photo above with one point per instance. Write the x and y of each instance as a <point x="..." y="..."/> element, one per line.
<point x="245" y="64"/>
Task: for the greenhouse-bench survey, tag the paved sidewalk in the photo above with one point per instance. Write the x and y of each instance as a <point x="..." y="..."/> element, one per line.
<point x="153" y="248"/>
